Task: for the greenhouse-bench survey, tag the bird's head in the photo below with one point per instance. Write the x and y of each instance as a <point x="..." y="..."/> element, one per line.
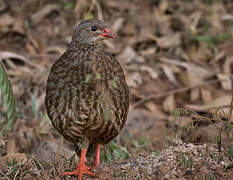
<point x="91" y="31"/>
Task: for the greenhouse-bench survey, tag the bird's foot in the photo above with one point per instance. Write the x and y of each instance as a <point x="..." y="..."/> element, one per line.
<point x="82" y="169"/>
<point x="97" y="158"/>
<point x="95" y="165"/>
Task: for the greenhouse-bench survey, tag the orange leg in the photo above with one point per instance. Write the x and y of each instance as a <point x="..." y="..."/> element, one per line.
<point x="82" y="169"/>
<point x="97" y="158"/>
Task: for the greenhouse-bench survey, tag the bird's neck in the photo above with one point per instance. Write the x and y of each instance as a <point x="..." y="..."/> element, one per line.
<point x="79" y="51"/>
<point x="82" y="46"/>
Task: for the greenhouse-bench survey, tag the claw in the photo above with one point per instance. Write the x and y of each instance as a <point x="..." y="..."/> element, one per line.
<point x="82" y="169"/>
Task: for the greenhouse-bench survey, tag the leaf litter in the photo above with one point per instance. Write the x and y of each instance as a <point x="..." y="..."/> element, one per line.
<point x="175" y="54"/>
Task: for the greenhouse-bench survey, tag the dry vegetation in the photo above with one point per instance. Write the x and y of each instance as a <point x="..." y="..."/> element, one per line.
<point x="175" y="53"/>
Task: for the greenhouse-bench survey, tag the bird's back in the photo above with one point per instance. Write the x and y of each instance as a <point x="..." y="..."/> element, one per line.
<point x="87" y="96"/>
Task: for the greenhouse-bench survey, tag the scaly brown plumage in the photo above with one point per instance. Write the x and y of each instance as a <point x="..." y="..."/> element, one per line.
<point x="87" y="98"/>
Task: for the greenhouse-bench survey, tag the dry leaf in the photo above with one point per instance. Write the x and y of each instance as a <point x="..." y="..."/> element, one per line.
<point x="156" y="109"/>
<point x="183" y="78"/>
<point x="218" y="102"/>
<point x="199" y="71"/>
<point x="3" y="5"/>
<point x="194" y="19"/>
<point x="153" y="74"/>
<point x="117" y="25"/>
<point x="12" y="55"/>
<point x="226" y="81"/>
<point x="42" y="13"/>
<point x="169" y="41"/>
<point x="134" y="79"/>
<point x="169" y="104"/>
<point x="110" y="45"/>
<point x="216" y="15"/>
<point x="19" y="25"/>
<point x="6" y="21"/>
<point x="194" y="94"/>
<point x="129" y="55"/>
<point x="228" y="65"/>
<point x="169" y="73"/>
<point x="227" y="17"/>
<point x="80" y="4"/>
<point x="11" y="146"/>
<point x="149" y="52"/>
<point x="56" y="49"/>
<point x="194" y="79"/>
<point x="206" y="95"/>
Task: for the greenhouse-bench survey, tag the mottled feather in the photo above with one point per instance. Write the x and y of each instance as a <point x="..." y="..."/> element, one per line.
<point x="87" y="97"/>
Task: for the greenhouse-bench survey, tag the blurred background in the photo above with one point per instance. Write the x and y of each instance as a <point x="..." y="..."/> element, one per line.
<point x="177" y="56"/>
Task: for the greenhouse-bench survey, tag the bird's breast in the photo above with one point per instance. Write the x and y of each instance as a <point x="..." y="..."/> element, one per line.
<point x="87" y="97"/>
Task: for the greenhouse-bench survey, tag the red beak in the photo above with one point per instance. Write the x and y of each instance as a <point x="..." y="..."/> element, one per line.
<point x="107" y="33"/>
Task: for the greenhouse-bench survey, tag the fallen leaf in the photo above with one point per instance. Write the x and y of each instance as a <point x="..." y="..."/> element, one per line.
<point x="227" y="66"/>
<point x="169" y="104"/>
<point x="194" y="19"/>
<point x="19" y="25"/>
<point x="6" y="21"/>
<point x="225" y="80"/>
<point x="42" y="13"/>
<point x="129" y="55"/>
<point x="12" y="55"/>
<point x="3" y="5"/>
<point x="200" y="71"/>
<point x="134" y="79"/>
<point x="169" y="41"/>
<point x="194" y="80"/>
<point x="11" y="146"/>
<point x="156" y="109"/>
<point x="153" y="74"/>
<point x="117" y="25"/>
<point x="169" y="73"/>
<point x="206" y="95"/>
<point x="218" y="102"/>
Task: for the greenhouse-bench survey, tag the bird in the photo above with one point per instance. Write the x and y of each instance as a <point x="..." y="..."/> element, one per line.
<point x="87" y="97"/>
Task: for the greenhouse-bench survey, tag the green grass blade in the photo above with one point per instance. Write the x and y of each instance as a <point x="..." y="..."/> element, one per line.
<point x="8" y="98"/>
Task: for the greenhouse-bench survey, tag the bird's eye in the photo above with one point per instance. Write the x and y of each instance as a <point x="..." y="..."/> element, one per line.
<point x="93" y="28"/>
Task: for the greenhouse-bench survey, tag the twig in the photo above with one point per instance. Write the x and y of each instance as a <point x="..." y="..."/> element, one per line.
<point x="79" y="5"/>
<point x="99" y="10"/>
<point x="219" y="139"/>
<point x="231" y="110"/>
<point x="201" y="109"/>
<point x="224" y="124"/>
<point x="174" y="92"/>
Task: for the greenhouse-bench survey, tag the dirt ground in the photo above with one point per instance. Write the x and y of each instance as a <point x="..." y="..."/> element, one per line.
<point x="177" y="56"/>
